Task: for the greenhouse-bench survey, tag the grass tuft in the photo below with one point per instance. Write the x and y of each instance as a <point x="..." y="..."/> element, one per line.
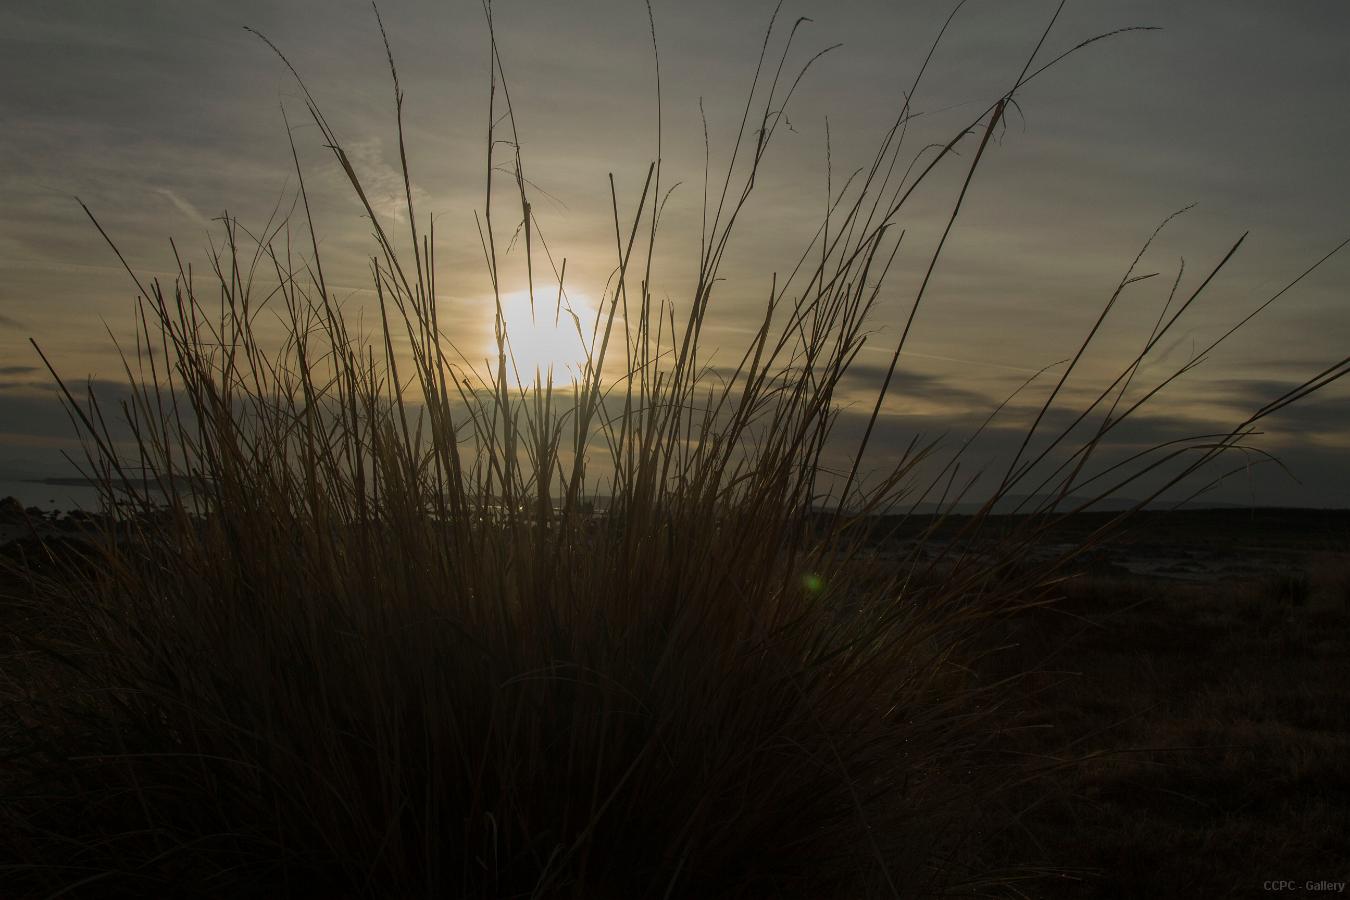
<point x="364" y="620"/>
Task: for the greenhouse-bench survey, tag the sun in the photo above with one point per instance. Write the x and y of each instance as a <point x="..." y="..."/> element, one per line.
<point x="548" y="340"/>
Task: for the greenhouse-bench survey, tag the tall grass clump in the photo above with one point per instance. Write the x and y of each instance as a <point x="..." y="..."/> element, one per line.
<point x="365" y="619"/>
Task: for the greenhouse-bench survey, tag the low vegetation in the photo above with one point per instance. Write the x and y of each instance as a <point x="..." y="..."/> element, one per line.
<point x="362" y="619"/>
<point x="1200" y="730"/>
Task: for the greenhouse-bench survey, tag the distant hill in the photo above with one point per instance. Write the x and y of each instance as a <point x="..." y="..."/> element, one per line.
<point x="1031" y="503"/>
<point x="24" y="468"/>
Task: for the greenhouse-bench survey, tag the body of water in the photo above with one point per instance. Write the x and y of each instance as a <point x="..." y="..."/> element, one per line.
<point x="50" y="496"/>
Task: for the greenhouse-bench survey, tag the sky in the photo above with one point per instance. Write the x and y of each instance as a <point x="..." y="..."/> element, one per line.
<point x="162" y="116"/>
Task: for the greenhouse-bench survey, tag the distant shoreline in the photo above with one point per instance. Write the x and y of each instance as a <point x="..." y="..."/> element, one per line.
<point x="1020" y="506"/>
<point x="78" y="481"/>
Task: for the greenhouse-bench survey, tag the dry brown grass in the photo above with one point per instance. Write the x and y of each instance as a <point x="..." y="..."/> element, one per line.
<point x="368" y="638"/>
<point x="1203" y="733"/>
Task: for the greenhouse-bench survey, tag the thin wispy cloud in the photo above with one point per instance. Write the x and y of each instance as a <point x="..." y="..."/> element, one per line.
<point x="186" y="208"/>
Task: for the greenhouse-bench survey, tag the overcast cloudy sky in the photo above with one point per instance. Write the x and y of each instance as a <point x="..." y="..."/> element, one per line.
<point x="162" y="115"/>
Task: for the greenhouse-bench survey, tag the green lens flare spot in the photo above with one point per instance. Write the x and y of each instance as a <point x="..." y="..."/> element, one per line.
<point x="813" y="583"/>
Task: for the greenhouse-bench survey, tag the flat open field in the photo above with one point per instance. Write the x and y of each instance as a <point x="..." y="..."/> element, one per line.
<point x="1202" y="709"/>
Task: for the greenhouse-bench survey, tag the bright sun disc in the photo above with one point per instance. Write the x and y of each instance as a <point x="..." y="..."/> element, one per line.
<point x="546" y="341"/>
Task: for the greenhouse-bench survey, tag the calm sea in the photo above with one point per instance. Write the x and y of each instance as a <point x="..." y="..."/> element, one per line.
<point x="51" y="496"/>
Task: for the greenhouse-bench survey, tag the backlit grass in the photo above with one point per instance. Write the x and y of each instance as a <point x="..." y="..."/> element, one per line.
<point x="392" y="625"/>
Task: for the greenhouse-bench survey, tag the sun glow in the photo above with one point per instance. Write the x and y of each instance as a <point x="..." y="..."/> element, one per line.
<point x="548" y="340"/>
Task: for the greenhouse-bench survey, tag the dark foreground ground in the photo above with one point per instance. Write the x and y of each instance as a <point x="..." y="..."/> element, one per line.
<point x="1194" y="687"/>
<point x="1202" y="708"/>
